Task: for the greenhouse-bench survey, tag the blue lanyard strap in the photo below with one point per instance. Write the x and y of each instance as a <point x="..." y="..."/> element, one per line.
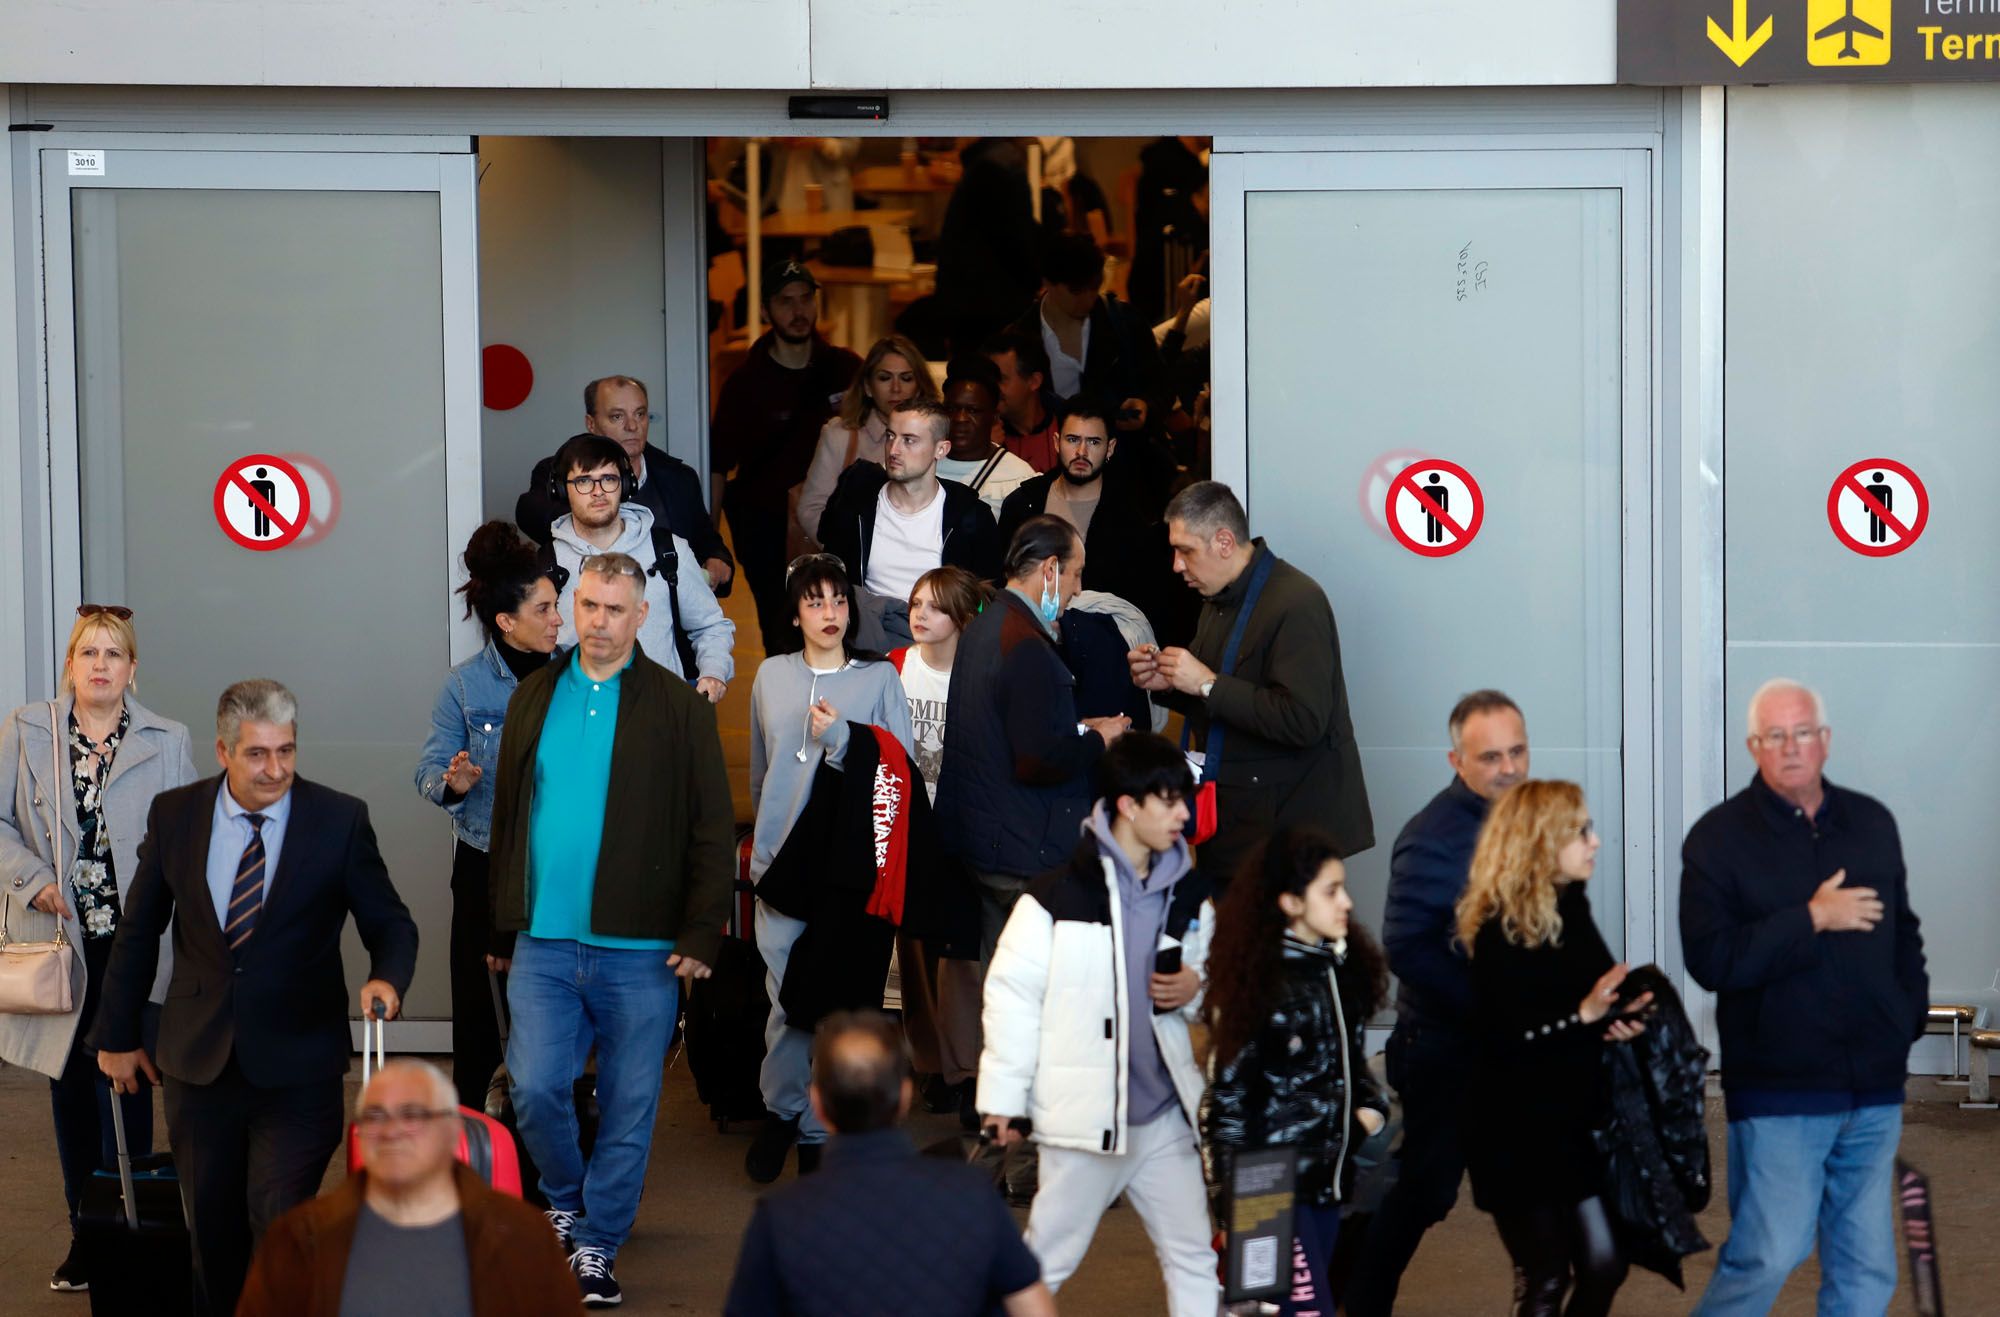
<point x="1260" y="572"/>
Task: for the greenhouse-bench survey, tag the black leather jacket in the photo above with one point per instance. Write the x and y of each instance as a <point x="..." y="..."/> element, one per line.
<point x="1298" y="1082"/>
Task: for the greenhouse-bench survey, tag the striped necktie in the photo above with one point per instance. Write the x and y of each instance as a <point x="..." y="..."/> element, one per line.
<point x="246" y="897"/>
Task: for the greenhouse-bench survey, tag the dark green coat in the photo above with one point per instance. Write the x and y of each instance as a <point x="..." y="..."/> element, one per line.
<point x="667" y="861"/>
<point x="1288" y="752"/>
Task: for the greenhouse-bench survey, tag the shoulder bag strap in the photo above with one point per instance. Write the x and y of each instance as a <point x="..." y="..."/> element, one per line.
<point x="667" y="566"/>
<point x="1260" y="572"/>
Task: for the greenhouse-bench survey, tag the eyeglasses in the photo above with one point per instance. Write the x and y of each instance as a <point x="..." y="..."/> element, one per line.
<point x="805" y="558"/>
<point x="374" y="1120"/>
<point x="602" y="484"/>
<point x="1780" y="737"/>
<point x="1586" y="829"/>
<point x="119" y="611"/>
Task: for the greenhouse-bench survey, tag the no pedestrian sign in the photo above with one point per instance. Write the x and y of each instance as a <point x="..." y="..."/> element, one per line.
<point x="1434" y="507"/>
<point x="262" y="502"/>
<point x="1878" y="507"/>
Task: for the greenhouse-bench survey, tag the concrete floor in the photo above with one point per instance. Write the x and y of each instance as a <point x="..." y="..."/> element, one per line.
<point x="680" y="1257"/>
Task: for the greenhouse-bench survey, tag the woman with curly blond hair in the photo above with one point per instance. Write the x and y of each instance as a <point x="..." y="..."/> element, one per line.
<point x="1544" y="984"/>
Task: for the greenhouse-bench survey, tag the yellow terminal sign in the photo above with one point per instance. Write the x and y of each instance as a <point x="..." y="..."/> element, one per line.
<point x="1847" y="33"/>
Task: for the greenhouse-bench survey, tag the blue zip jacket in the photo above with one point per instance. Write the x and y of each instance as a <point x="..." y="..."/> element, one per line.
<point x="1802" y="1012"/>
<point x="1427" y="873"/>
<point x="468" y="716"/>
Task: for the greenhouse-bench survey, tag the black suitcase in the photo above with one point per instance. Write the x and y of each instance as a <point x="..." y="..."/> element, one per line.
<point x="134" y="1237"/>
<point x="723" y="1029"/>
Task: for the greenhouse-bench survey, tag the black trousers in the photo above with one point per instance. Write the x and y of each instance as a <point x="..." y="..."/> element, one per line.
<point x="757" y="532"/>
<point x="1431" y="1074"/>
<point x="475" y="1027"/>
<point x="1553" y="1246"/>
<point x="245" y="1154"/>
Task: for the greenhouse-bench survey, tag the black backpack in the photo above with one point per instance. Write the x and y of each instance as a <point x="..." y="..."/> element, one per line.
<point x="666" y="565"/>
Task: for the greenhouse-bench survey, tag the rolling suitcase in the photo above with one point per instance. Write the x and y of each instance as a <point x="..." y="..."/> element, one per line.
<point x="723" y="1031"/>
<point x="133" y="1236"/>
<point x="484" y="1144"/>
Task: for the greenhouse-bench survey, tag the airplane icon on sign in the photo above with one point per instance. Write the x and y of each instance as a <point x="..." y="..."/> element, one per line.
<point x="1846" y="24"/>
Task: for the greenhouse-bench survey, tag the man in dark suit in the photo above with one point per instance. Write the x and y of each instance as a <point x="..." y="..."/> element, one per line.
<point x="263" y="868"/>
<point x="1273" y="727"/>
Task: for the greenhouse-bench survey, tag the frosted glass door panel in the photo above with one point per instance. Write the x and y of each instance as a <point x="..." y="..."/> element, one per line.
<point x="1483" y="327"/>
<point x="216" y="324"/>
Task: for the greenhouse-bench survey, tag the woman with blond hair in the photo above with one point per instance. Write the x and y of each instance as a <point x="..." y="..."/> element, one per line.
<point x="894" y="371"/>
<point x="77" y="778"/>
<point x="1547" y="1000"/>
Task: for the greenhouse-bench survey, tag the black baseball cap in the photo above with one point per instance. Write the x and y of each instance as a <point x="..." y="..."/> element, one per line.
<point x="786" y="271"/>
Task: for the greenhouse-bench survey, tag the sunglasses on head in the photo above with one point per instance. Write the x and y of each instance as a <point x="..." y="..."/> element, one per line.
<point x="119" y="611"/>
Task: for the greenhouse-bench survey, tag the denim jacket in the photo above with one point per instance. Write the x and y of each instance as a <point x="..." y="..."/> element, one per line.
<point x="468" y="716"/>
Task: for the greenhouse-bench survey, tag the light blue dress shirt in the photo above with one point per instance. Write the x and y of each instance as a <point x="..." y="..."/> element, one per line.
<point x="229" y="833"/>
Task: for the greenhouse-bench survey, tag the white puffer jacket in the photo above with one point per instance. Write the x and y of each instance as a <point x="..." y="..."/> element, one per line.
<point x="1056" y="1013"/>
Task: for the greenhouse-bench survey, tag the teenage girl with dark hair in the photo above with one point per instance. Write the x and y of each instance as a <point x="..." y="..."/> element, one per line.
<point x="516" y="607"/>
<point x="1290" y="983"/>
<point x="800" y="707"/>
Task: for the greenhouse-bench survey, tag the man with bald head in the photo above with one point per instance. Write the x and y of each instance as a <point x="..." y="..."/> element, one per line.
<point x="841" y="1240"/>
<point x="1795" y="912"/>
<point x="414" y="1231"/>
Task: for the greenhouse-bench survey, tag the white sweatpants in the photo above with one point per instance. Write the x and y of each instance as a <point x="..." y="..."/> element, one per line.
<point x="1160" y="1175"/>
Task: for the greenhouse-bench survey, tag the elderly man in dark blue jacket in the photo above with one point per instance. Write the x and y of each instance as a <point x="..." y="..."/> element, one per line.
<point x="1429" y="1061"/>
<point x="1795" y="912"/>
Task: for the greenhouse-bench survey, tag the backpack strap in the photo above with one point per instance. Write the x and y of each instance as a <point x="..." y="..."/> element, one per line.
<point x="667" y="565"/>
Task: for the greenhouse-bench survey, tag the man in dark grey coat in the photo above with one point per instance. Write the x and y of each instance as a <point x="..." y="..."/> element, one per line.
<point x="1286" y="751"/>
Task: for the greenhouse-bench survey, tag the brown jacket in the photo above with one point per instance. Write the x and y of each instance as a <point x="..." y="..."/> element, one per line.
<point x="669" y="852"/>
<point x="1288" y="751"/>
<point x="517" y="1268"/>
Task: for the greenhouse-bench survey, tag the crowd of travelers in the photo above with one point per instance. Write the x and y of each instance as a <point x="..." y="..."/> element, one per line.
<point x="1130" y="965"/>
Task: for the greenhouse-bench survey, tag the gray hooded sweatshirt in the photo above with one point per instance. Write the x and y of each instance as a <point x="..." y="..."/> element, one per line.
<point x="1149" y="1088"/>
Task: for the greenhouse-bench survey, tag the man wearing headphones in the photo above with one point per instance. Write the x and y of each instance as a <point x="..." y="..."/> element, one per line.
<point x="685" y="630"/>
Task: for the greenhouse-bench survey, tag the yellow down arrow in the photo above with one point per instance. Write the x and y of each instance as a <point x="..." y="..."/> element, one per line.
<point x="1742" y="43"/>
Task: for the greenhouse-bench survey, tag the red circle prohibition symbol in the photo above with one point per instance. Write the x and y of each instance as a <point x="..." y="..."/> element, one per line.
<point x="1461" y="533"/>
<point x="1847" y="482"/>
<point x="287" y="531"/>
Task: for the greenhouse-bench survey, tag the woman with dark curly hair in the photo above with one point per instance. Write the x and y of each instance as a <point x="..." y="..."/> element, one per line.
<point x="1290" y="983"/>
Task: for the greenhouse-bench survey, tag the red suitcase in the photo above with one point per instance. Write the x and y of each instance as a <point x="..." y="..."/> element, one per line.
<point x="484" y="1144"/>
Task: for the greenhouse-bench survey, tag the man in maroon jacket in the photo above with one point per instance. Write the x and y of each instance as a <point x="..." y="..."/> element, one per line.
<point x="766" y="425"/>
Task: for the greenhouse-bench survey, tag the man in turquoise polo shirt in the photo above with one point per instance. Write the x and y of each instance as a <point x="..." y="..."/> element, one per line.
<point x="612" y="831"/>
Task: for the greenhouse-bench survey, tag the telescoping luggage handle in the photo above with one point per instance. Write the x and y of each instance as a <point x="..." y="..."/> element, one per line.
<point x="124" y="1162"/>
<point x="374" y="1047"/>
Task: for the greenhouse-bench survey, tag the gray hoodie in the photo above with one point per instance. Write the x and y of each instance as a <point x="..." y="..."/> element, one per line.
<point x="712" y="634"/>
<point x="868" y="693"/>
<point x="1143" y="902"/>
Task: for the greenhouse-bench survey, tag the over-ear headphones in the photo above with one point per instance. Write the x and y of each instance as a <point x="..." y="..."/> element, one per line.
<point x="628" y="484"/>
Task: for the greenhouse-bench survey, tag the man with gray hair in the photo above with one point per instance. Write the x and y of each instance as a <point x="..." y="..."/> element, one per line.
<point x="1432" y="1055"/>
<point x="1261" y="687"/>
<point x="415" y="1231"/>
<point x="1795" y="912"/>
<point x="611" y="865"/>
<point x="255" y="870"/>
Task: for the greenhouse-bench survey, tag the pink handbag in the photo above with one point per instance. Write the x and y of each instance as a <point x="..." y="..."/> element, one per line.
<point x="35" y="976"/>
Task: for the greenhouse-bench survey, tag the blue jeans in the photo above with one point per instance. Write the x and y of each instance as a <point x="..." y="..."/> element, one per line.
<point x="1791" y="1177"/>
<point x="563" y="997"/>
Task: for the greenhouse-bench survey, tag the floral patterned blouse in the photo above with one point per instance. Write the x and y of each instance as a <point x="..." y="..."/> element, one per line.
<point x="93" y="880"/>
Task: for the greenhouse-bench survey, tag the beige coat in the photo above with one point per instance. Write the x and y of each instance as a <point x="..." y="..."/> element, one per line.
<point x="34" y="786"/>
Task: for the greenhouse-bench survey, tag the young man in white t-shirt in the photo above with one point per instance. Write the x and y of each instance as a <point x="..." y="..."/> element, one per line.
<point x="891" y="524"/>
<point x="977" y="458"/>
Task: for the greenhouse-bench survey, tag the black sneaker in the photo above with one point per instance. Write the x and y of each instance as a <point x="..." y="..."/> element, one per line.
<point x="594" y="1281"/>
<point x="564" y="1224"/>
<point x="940" y="1098"/>
<point x="765" y="1161"/>
<point x="70" y="1277"/>
<point x="809" y="1157"/>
